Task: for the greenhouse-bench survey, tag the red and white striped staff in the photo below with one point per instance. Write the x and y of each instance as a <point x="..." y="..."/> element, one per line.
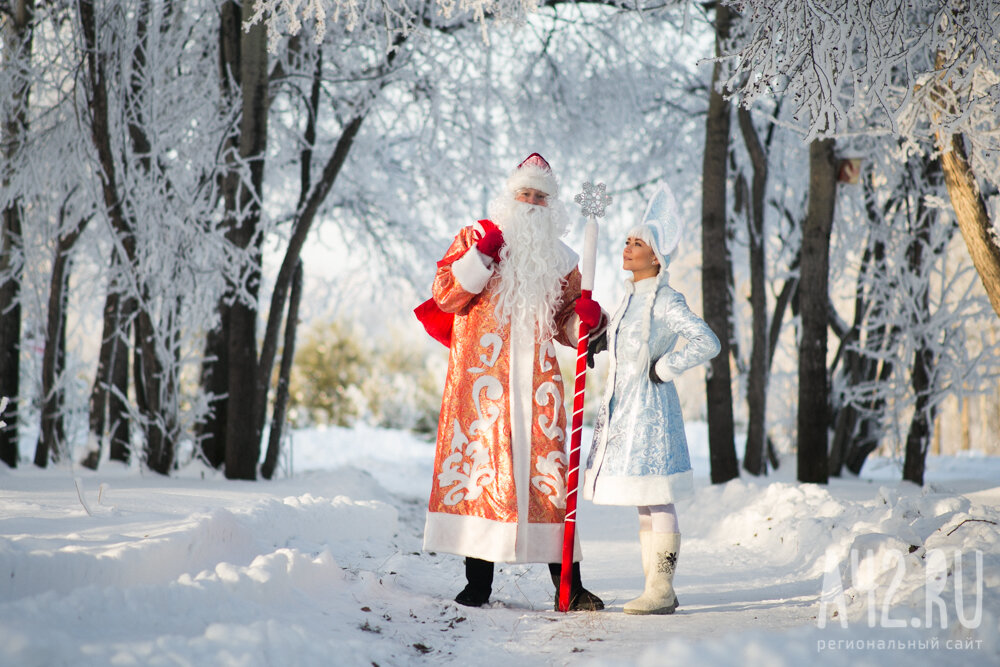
<point x="593" y="200"/>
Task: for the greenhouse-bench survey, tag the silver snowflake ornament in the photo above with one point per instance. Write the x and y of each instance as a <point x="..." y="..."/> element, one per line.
<point x="593" y="200"/>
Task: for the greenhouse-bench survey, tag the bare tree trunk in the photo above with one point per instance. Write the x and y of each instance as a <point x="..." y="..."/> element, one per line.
<point x="867" y="431"/>
<point x="971" y="214"/>
<point x="922" y="375"/>
<point x="52" y="436"/>
<point x="715" y="292"/>
<point x="281" y="393"/>
<point x="118" y="424"/>
<point x="918" y="438"/>
<point x="108" y="411"/>
<point x="52" y="433"/>
<point x="966" y="199"/>
<point x="858" y="368"/>
<point x="292" y="319"/>
<point x="100" y="391"/>
<point x="846" y="415"/>
<point x="243" y="434"/>
<point x="740" y="197"/>
<point x="211" y="433"/>
<point x="11" y="262"/>
<point x="857" y="429"/>
<point x="813" y="410"/>
<point x="310" y="202"/>
<point x="249" y="376"/>
<point x="135" y="93"/>
<point x="154" y="390"/>
<point x="17" y="38"/>
<point x="148" y="368"/>
<point x="215" y="367"/>
<point x="157" y="369"/>
<point x="301" y="226"/>
<point x="292" y="253"/>
<point x="755" y="459"/>
<point x="787" y="297"/>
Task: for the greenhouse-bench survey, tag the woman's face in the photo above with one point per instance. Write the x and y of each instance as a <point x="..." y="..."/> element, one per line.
<point x="532" y="196"/>
<point x="639" y="258"/>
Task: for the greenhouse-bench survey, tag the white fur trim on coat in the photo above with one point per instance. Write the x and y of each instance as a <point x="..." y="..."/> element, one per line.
<point x="664" y="371"/>
<point x="637" y="490"/>
<point x="471" y="272"/>
<point x="495" y="540"/>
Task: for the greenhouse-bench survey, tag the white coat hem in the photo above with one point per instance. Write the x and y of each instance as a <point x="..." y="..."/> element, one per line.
<point x="637" y="491"/>
<point x="494" y="540"/>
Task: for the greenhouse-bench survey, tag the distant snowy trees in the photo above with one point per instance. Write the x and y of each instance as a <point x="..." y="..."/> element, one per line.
<point x="177" y="152"/>
<point x="927" y="73"/>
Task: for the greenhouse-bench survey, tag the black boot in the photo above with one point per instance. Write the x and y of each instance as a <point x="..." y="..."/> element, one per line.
<point x="479" y="574"/>
<point x="580" y="599"/>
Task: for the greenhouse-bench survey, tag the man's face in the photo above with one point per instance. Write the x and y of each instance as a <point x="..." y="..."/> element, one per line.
<point x="532" y="196"/>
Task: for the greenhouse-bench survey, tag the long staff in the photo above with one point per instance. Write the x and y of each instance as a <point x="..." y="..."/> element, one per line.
<point x="593" y="200"/>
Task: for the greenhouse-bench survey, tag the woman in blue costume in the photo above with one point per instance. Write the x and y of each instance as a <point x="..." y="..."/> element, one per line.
<point x="639" y="456"/>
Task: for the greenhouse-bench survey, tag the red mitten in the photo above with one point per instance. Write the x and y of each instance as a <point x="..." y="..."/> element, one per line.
<point x="491" y="243"/>
<point x="589" y="311"/>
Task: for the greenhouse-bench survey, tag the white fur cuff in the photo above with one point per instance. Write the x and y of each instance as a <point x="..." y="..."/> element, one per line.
<point x="470" y="271"/>
<point x="663" y="370"/>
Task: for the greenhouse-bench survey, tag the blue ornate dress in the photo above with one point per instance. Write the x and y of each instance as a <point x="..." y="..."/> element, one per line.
<point x="640" y="455"/>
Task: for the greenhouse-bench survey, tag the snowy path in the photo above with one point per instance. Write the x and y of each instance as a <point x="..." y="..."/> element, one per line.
<point x="723" y="588"/>
<point x="749" y="595"/>
<point x="721" y="592"/>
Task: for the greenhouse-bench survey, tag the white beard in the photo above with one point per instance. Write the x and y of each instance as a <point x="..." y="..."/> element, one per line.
<point x="531" y="279"/>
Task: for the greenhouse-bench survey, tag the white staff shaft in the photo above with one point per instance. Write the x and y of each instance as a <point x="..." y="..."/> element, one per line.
<point x="589" y="254"/>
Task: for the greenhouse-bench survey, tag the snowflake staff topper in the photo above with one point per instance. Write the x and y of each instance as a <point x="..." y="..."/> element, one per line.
<point x="593" y="200"/>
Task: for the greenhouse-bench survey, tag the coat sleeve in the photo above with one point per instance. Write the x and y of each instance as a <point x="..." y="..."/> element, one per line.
<point x="567" y="322"/>
<point x="461" y="274"/>
<point x="702" y="343"/>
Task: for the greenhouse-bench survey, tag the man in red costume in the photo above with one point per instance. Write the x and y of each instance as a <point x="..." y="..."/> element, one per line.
<point x="499" y="488"/>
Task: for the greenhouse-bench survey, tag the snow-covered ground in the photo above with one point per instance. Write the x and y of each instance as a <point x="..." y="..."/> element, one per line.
<point x="325" y="568"/>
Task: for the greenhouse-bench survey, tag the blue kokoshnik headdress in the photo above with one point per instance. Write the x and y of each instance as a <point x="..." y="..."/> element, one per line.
<point x="661" y="228"/>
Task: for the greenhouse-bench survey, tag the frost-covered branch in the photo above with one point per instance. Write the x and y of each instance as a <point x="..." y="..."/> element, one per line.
<point x="849" y="67"/>
<point x="390" y="17"/>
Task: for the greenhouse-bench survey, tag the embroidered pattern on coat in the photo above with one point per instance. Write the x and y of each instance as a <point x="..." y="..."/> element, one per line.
<point x="466" y="471"/>
<point x="548" y="392"/>
<point x="552" y="480"/>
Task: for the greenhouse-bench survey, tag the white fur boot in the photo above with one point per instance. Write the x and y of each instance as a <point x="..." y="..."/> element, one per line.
<point x="659" y="559"/>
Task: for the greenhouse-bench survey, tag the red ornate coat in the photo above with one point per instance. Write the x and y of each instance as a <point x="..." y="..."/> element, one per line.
<point x="499" y="487"/>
